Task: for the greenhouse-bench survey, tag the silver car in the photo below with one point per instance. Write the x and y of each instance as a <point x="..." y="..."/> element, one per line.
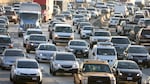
<point x="9" y="56"/>
<point x="44" y="52"/>
<point x="63" y="62"/>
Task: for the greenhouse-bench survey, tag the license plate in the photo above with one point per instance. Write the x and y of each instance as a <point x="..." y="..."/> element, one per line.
<point x="34" y="78"/>
<point x="140" y="61"/>
<point x="129" y="78"/>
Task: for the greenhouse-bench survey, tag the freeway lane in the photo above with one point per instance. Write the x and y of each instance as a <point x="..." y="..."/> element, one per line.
<point x="47" y="78"/>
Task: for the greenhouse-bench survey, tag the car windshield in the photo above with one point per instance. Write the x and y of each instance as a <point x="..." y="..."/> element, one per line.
<point x="105" y="52"/>
<point x="96" y="68"/>
<point x="145" y="32"/>
<point x="77" y="43"/>
<point x="127" y="65"/>
<point x="9" y="13"/>
<point x="85" y="24"/>
<point x="5" y="40"/>
<point x="34" y="32"/>
<point x="88" y="28"/>
<point x="66" y="57"/>
<point x="137" y="50"/>
<point x="101" y="34"/>
<point x="47" y="47"/>
<point x="2" y="21"/>
<point x="28" y="16"/>
<point x="120" y="41"/>
<point x="37" y="38"/>
<point x="91" y="9"/>
<point x="27" y="64"/>
<point x="139" y="16"/>
<point x="78" y="16"/>
<point x="14" y="53"/>
<point x="63" y="29"/>
<point x="147" y="22"/>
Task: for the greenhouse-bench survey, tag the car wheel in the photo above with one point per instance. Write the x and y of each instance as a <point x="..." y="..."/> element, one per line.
<point x="54" y="42"/>
<point x="27" y="50"/>
<point x="24" y="45"/>
<point x="91" y="46"/>
<point x="10" y="78"/>
<point x="54" y="73"/>
<point x="40" y="82"/>
<point x="139" y="81"/>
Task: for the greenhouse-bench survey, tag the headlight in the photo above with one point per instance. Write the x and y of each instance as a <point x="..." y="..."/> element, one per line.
<point x="85" y="80"/>
<point x="139" y="75"/>
<point x="75" y="65"/>
<point x="13" y="17"/>
<point x="57" y="65"/>
<point x="72" y="36"/>
<point x="130" y="57"/>
<point x="56" y="36"/>
<point x="18" y="73"/>
<point x="86" y="50"/>
<point x="148" y="57"/>
<point x="31" y="44"/>
<point x="120" y="74"/>
<point x="38" y="74"/>
<point x="71" y="49"/>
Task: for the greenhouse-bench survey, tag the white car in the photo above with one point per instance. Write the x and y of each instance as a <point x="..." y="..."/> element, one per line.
<point x="28" y="33"/>
<point x="26" y="70"/>
<point x="99" y="36"/>
<point x="105" y="53"/>
<point x="76" y="17"/>
<point x="93" y="11"/>
<point x="63" y="62"/>
<point x="44" y="52"/>
<point x="86" y="31"/>
<point x="113" y="22"/>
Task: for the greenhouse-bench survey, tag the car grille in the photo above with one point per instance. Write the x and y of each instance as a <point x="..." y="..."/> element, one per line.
<point x="98" y="80"/>
<point x="29" y="25"/>
<point x="128" y="74"/>
<point x="66" y="66"/>
<point x="139" y="57"/>
<point x="28" y="74"/>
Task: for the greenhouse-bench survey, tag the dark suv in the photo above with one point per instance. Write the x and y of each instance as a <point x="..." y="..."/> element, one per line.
<point x="5" y="42"/>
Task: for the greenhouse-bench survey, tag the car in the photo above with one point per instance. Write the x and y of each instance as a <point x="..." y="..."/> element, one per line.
<point x="76" y="17"/>
<point x="33" y="42"/>
<point x="9" y="56"/>
<point x="63" y="62"/>
<point x="12" y="16"/>
<point x="137" y="17"/>
<point x="5" y="42"/>
<point x="99" y="36"/>
<point x="62" y="33"/>
<point x="139" y="54"/>
<point x="5" y="18"/>
<point x="60" y="17"/>
<point x="144" y="22"/>
<point x="26" y="70"/>
<point x="113" y="22"/>
<point x="94" y="72"/>
<point x="143" y="36"/>
<point x="3" y="31"/>
<point x="3" y="23"/>
<point x="86" y="32"/>
<point x="28" y="33"/>
<point x="79" y="47"/>
<point x="44" y="52"/>
<point x="93" y="11"/>
<point x="127" y="71"/>
<point x="105" y="53"/>
<point x="8" y="8"/>
<point x="67" y="14"/>
<point x="120" y="43"/>
<point x="81" y="24"/>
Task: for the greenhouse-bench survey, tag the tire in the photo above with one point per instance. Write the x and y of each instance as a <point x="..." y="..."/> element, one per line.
<point x="54" y="73"/>
<point x="139" y="81"/>
<point x="40" y="82"/>
<point x="20" y="35"/>
<point x="27" y="50"/>
<point x="24" y="45"/>
<point x="54" y="42"/>
<point x="10" y="78"/>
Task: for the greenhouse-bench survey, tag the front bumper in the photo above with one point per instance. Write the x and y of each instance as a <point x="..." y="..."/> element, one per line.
<point x="25" y="78"/>
<point x="62" y="70"/>
<point x="122" y="79"/>
<point x="62" y="40"/>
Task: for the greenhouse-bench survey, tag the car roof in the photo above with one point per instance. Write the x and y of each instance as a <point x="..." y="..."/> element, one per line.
<point x="63" y="25"/>
<point x="5" y="36"/>
<point x="37" y="35"/>
<point x="33" y="29"/>
<point x="25" y="59"/>
<point x="136" y="46"/>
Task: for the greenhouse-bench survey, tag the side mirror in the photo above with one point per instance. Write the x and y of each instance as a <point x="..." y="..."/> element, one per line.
<point x="42" y="69"/>
<point x="133" y="43"/>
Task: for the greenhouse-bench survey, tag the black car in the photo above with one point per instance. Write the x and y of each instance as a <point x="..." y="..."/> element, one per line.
<point x="127" y="71"/>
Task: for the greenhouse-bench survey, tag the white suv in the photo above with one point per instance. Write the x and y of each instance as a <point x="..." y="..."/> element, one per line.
<point x="105" y="53"/>
<point x="26" y="70"/>
<point x="62" y="33"/>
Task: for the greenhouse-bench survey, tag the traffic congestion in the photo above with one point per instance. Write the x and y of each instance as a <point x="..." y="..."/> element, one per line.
<point x="75" y="42"/>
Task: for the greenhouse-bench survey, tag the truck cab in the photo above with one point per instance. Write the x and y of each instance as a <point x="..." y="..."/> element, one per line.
<point x="94" y="72"/>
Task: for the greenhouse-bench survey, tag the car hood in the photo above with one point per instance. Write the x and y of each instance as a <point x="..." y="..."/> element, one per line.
<point x="102" y="74"/>
<point x="27" y="71"/>
<point x="63" y="34"/>
<point x="63" y="62"/>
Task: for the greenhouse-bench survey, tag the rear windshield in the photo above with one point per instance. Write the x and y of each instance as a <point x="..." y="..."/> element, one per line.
<point x="137" y="50"/>
<point x="47" y="47"/>
<point x="101" y="34"/>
